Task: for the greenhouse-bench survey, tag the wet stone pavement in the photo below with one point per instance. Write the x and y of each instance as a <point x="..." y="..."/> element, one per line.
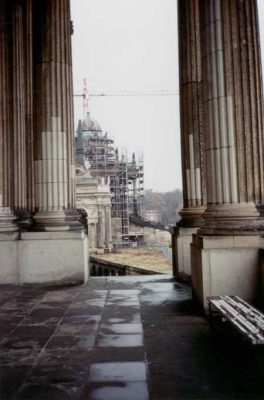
<point x="120" y="338"/>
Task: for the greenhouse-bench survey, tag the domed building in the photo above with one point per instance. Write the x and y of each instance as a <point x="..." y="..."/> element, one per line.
<point x="125" y="177"/>
<point x="90" y="124"/>
<point x="93" y="196"/>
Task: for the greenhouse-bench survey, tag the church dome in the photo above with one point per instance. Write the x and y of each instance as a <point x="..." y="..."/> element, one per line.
<point x="90" y="124"/>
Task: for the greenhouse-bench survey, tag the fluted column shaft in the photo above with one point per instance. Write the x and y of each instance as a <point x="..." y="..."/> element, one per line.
<point x="233" y="114"/>
<point x="194" y="191"/>
<point x="108" y="227"/>
<point x="92" y="230"/>
<point x="6" y="158"/>
<point x="19" y="105"/>
<point x="101" y="229"/>
<point x="28" y="57"/>
<point x="53" y="111"/>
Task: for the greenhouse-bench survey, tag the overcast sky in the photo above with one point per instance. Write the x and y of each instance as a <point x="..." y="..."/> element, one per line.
<point x="131" y="45"/>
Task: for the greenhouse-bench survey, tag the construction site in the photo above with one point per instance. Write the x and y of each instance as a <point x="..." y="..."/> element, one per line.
<point x="125" y="176"/>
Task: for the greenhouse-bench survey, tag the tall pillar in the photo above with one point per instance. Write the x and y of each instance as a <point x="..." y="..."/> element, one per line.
<point x="92" y="231"/>
<point x="108" y="228"/>
<point x="22" y="114"/>
<point x="226" y="262"/>
<point x="53" y="131"/>
<point x="7" y="217"/>
<point x="194" y="192"/>
<point x="29" y="106"/>
<point x="19" y="106"/>
<point x="62" y="244"/>
<point x="101" y="229"/>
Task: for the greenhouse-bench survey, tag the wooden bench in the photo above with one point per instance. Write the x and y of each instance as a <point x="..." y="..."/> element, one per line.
<point x="242" y="315"/>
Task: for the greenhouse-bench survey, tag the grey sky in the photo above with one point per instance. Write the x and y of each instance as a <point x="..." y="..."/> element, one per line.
<point x="122" y="45"/>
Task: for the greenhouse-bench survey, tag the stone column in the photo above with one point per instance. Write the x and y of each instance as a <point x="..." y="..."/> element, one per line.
<point x="108" y="228"/>
<point x="22" y="106"/>
<point x="29" y="106"/>
<point x="234" y="116"/>
<point x="19" y="106"/>
<point x="227" y="262"/>
<point x="92" y="230"/>
<point x="6" y="141"/>
<point x="194" y="193"/>
<point x="101" y="229"/>
<point x="53" y="131"/>
<point x="62" y="244"/>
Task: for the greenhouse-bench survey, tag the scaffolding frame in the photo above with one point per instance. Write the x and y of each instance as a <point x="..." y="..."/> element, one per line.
<point x="126" y="178"/>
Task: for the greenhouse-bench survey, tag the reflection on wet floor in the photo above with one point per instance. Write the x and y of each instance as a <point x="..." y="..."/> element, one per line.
<point x="119" y="338"/>
<point x="71" y="343"/>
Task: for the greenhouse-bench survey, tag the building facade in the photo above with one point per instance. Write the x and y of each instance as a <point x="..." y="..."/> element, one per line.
<point x="126" y="178"/>
<point x="94" y="197"/>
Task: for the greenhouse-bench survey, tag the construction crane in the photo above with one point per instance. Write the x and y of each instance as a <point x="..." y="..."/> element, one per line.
<point x="128" y="93"/>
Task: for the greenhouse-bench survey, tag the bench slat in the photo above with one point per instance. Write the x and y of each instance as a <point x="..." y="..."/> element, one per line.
<point x="246" y="318"/>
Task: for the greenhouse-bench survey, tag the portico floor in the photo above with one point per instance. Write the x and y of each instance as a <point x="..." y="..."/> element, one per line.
<point x="119" y="338"/>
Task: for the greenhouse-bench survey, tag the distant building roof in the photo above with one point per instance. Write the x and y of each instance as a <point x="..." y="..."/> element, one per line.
<point x="90" y="124"/>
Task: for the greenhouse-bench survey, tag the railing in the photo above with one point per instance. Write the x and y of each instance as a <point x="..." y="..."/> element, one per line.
<point x="137" y="220"/>
<point x="99" y="267"/>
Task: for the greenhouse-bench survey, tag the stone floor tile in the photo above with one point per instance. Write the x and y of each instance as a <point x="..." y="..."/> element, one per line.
<point x="124" y="309"/>
<point x="70" y="376"/>
<point x="88" y="303"/>
<point x="127" y="391"/>
<point x="91" y="294"/>
<point x="11" y="379"/>
<point x="79" y="330"/>
<point x="116" y="354"/>
<point x="125" y="292"/>
<point x="118" y="372"/>
<point x="48" y="392"/>
<point x="81" y="343"/>
<point x="81" y="319"/>
<point x="23" y="342"/>
<point x="58" y="296"/>
<point x="120" y="340"/>
<point x="67" y="357"/>
<point x="119" y="317"/>
<point x="108" y="329"/>
<point x="64" y="305"/>
<point x="36" y="331"/>
<point x="19" y="357"/>
<point x="121" y="298"/>
<point x="42" y="313"/>
<point x="84" y="311"/>
<point x="123" y="303"/>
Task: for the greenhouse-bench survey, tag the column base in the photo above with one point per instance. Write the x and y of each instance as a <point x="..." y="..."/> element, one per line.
<point x="191" y="216"/>
<point x="52" y="220"/>
<point x="182" y="238"/>
<point x="7" y="220"/>
<point x="225" y="265"/>
<point x="24" y="219"/>
<point x="240" y="219"/>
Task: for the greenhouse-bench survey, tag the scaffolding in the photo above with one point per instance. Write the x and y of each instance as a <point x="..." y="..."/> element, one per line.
<point x="126" y="178"/>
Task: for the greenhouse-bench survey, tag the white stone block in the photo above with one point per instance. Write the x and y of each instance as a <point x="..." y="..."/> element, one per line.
<point x="52" y="260"/>
<point x="226" y="270"/>
<point x="182" y="252"/>
<point x="8" y="262"/>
